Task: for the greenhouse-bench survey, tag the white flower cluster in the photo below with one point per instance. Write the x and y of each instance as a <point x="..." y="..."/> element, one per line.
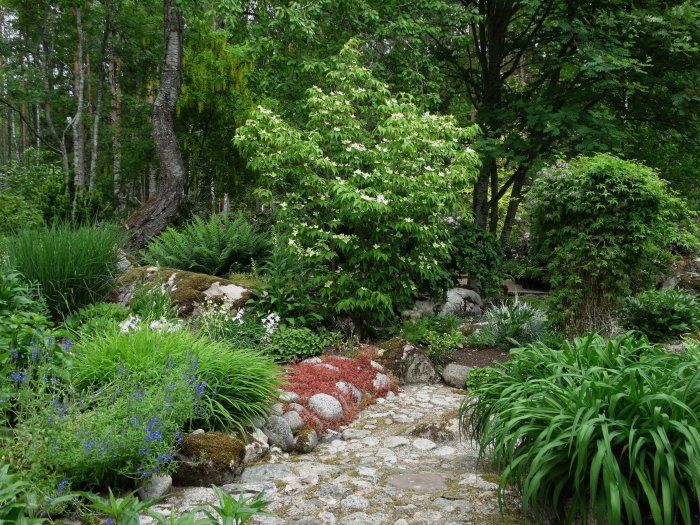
<point x="134" y="323"/>
<point x="271" y="322"/>
<point x="380" y="198"/>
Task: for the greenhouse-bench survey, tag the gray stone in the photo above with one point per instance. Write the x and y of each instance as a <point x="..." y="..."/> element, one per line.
<point x="197" y="431"/>
<point x="419" y="481"/>
<point x="354" y="433"/>
<point x="462" y="302"/>
<point x="279" y="433"/>
<point x="395" y="441"/>
<point x="277" y="409"/>
<point x="254" y="452"/>
<point x="423" y="444"/>
<point x="269" y="472"/>
<point x="296" y="407"/>
<point x="306" y="441"/>
<point x="294" y="420"/>
<point x="155" y="487"/>
<point x="381" y="381"/>
<point x="355" y="502"/>
<point x="362" y="518"/>
<point x="326" y="406"/>
<point x="455" y="375"/>
<point x="288" y="397"/>
<point x="423" y="308"/>
<point x="350" y="390"/>
<point x="417" y="368"/>
<point x="259" y="436"/>
<point x="313" y="360"/>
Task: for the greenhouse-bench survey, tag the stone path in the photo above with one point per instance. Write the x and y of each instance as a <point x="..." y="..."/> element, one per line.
<point x="401" y="462"/>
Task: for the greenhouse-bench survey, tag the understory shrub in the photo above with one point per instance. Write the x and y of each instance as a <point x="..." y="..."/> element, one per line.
<point x="216" y="246"/>
<point x="287" y="344"/>
<point x="22" y="312"/>
<point x="361" y="193"/>
<point x="661" y="315"/>
<point x="508" y="325"/>
<point x="476" y="253"/>
<point x="95" y="318"/>
<point x="439" y="334"/>
<point x="73" y="265"/>
<point x="152" y="302"/>
<point x="611" y="426"/>
<point x="237" y="385"/>
<point x="605" y="227"/>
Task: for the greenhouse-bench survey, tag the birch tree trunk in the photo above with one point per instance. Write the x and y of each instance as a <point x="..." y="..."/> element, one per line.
<point x="92" y="174"/>
<point x="77" y="122"/>
<point x="159" y="210"/>
<point x="115" y="118"/>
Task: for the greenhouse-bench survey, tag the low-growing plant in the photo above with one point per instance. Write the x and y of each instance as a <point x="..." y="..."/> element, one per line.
<point x="220" y="322"/>
<point x="22" y="312"/>
<point x="288" y="344"/>
<point x="441" y="347"/>
<point x="152" y="302"/>
<point x="96" y="318"/>
<point x="73" y="265"/>
<point x="480" y="377"/>
<point x="17" y="503"/>
<point x="439" y="334"/>
<point x="119" y="511"/>
<point x="216" y="246"/>
<point x="662" y="315"/>
<point x="606" y="426"/>
<point x="236" y="511"/>
<point x="236" y="385"/>
<point x="508" y="325"/>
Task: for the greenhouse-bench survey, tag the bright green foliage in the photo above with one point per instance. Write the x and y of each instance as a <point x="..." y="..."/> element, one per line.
<point x="476" y="253"/>
<point x="363" y="191"/>
<point x="95" y="318"/>
<point x="440" y="334"/>
<point x="22" y="312"/>
<point x="611" y="426"/>
<point x="18" y="502"/>
<point x="662" y="315"/>
<point x="214" y="247"/>
<point x="219" y="323"/>
<point x="237" y="385"/>
<point x="236" y="511"/>
<point x="605" y="226"/>
<point x="510" y="325"/>
<point x="480" y="378"/>
<point x="124" y="511"/>
<point x="287" y="344"/>
<point x="152" y="302"/>
<point x="73" y="265"/>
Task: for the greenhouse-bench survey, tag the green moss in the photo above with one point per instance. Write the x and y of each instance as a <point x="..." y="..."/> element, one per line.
<point x="216" y="447"/>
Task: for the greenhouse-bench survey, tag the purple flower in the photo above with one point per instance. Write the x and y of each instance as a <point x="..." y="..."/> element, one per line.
<point x="18" y="377"/>
<point x="154" y="435"/>
<point x="67" y="344"/>
<point x="109" y="521"/>
<point x="62" y="486"/>
<point x="14" y="354"/>
<point x="35" y="353"/>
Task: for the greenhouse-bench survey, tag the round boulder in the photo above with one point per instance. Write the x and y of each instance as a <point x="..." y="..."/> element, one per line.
<point x="212" y="457"/>
<point x="326" y="407"/>
<point x="279" y="433"/>
<point x="455" y="375"/>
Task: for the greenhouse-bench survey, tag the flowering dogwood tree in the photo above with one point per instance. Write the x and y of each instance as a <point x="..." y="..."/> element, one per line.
<point x="364" y="189"/>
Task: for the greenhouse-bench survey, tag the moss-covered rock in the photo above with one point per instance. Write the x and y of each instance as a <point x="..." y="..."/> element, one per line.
<point x="306" y="440"/>
<point x="207" y="458"/>
<point x="188" y="290"/>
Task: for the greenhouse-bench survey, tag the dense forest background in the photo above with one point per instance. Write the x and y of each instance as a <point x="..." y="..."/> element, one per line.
<point x="542" y="79"/>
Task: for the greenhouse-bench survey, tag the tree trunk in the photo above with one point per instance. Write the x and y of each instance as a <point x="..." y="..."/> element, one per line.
<point x="77" y="122"/>
<point x="513" y="204"/>
<point x="493" y="223"/>
<point x="92" y="175"/>
<point x="158" y="212"/>
<point x="37" y="126"/>
<point x="115" y="117"/>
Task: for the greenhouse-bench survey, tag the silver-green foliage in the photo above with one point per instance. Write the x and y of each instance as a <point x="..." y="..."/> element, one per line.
<point x="611" y="426"/>
<point x="510" y="324"/>
<point x="216" y="246"/>
<point x="363" y="189"/>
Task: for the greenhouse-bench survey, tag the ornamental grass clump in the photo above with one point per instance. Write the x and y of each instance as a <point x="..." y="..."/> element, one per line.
<point x="73" y="265"/>
<point x="236" y="385"/>
<point x="607" y="426"/>
<point x="510" y="325"/>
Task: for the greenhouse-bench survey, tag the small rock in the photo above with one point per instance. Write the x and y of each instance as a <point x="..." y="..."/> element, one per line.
<point x="354" y="433"/>
<point x="376" y="366"/>
<point x="330" y="367"/>
<point x="289" y="397"/>
<point x="259" y="436"/>
<point x="423" y="444"/>
<point x="293" y="419"/>
<point x="350" y="390"/>
<point x="381" y="381"/>
<point x="455" y="375"/>
<point x="155" y="487"/>
<point x="326" y="406"/>
<point x="417" y="368"/>
<point x="277" y="409"/>
<point x="212" y="457"/>
<point x="313" y="360"/>
<point x="254" y="452"/>
<point x="279" y="433"/>
<point x="197" y="431"/>
<point x="395" y="441"/>
<point x="355" y="502"/>
<point x="306" y="441"/>
<point x="296" y="407"/>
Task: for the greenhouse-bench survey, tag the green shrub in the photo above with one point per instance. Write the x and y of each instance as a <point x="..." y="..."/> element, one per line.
<point x="73" y="265"/>
<point x="95" y="318"/>
<point x="476" y="253"/>
<point x="509" y="325"/>
<point x="439" y="334"/>
<point x="216" y="247"/>
<point x="362" y="191"/>
<point x="480" y="377"/>
<point x="220" y="323"/>
<point x="22" y="312"/>
<point x="611" y="426"/>
<point x="287" y="344"/>
<point x="152" y="302"/>
<point x="662" y="315"/>
<point x="441" y="347"/>
<point x="605" y="227"/>
<point x="17" y="214"/>
<point x="237" y="385"/>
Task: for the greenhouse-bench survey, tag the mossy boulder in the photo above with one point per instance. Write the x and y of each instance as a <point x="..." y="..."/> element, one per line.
<point x="209" y="458"/>
<point x="408" y="363"/>
<point x="188" y="290"/>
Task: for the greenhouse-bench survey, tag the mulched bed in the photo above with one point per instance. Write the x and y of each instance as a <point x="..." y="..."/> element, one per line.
<point x="479" y="357"/>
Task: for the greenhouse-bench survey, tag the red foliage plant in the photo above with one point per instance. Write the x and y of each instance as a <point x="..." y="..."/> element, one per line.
<point x="307" y="379"/>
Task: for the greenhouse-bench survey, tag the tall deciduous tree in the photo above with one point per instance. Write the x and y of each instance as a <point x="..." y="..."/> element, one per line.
<point x="160" y="209"/>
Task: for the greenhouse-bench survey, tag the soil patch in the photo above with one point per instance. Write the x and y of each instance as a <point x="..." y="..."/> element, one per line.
<point x="479" y="357"/>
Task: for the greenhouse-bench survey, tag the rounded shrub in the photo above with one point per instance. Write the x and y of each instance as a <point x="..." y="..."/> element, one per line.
<point x="661" y="315"/>
<point x="605" y="226"/>
<point x="287" y="344"/>
<point x="236" y="385"/>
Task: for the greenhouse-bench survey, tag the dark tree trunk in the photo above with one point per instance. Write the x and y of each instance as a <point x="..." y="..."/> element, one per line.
<point x="515" y="198"/>
<point x="155" y="215"/>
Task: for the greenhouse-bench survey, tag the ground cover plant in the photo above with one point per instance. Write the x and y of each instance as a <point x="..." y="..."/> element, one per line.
<point x="309" y="378"/>
<point x="662" y="315"/>
<point x="507" y="325"/>
<point x="73" y="265"/>
<point x="607" y="425"/>
<point x="216" y="246"/>
<point x="439" y="334"/>
<point x="22" y="311"/>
